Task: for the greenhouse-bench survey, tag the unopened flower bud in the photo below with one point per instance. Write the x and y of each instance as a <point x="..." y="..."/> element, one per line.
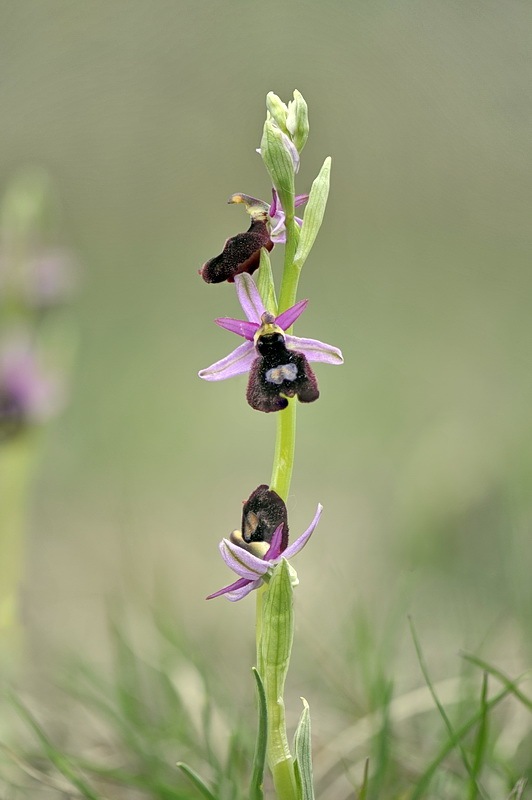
<point x="277" y="109"/>
<point x="297" y="120"/>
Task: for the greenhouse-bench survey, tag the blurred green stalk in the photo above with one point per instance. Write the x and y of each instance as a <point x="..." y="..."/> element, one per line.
<point x="17" y="459"/>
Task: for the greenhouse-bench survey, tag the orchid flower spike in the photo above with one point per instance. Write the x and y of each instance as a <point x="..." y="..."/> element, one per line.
<point x="254" y="551"/>
<point x="277" y="361"/>
<point x="241" y="253"/>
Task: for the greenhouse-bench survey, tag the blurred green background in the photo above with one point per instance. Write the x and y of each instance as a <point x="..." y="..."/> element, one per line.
<point x="147" y="115"/>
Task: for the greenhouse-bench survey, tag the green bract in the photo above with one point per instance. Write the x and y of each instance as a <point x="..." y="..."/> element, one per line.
<point x="276" y="644"/>
<point x="303" y="755"/>
<point x="314" y="212"/>
<point x="265" y="283"/>
<point x="278" y="160"/>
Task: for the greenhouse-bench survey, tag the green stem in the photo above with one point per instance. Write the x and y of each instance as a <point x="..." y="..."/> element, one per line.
<point x="16" y="463"/>
<point x="285" y="444"/>
<point x="284" y="779"/>
<point x="291" y="272"/>
<point x="279" y="756"/>
<point x="258" y="629"/>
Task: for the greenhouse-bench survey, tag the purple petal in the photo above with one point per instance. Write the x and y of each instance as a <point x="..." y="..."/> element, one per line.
<point x="288" y="317"/>
<point x="239" y="584"/>
<point x="238" y="594"/>
<point x="298" y="545"/>
<point x="249" y="297"/>
<point x="300" y="199"/>
<point x="274" y="550"/>
<point x="238" y="326"/>
<point x="278" y="232"/>
<point x="236" y="363"/>
<point x="241" y="561"/>
<point x="315" y="350"/>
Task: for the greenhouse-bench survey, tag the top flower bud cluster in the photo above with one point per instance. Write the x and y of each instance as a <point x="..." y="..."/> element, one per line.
<point x="284" y="136"/>
<point x="277" y="362"/>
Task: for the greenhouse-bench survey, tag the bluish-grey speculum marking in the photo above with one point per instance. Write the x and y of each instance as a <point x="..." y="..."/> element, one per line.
<point x="284" y="372"/>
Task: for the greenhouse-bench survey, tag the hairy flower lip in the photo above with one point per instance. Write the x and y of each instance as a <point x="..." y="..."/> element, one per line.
<point x="241" y="253"/>
<point x="252" y="569"/>
<point x="240" y="360"/>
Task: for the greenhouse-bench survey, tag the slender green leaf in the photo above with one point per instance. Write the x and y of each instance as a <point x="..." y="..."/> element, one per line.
<point x="314" y="213"/>
<point x="303" y="755"/>
<point x="194" y="778"/>
<point x="257" y="777"/>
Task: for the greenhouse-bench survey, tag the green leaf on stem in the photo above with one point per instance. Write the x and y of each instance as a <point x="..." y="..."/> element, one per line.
<point x="257" y="777"/>
<point x="265" y="283"/>
<point x="303" y="755"/>
<point x="277" y="632"/>
<point x="314" y="213"/>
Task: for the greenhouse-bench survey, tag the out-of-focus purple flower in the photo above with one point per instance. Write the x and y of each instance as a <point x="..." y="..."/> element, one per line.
<point x="27" y="394"/>
<point x="277" y="361"/>
<point x="50" y="278"/>
<point x="241" y="253"/>
<point x="43" y="279"/>
<point x="254" y="569"/>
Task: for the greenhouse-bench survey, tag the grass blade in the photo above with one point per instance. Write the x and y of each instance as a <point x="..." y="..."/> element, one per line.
<point x="481" y="739"/>
<point x="500" y="676"/>
<point x="363" y="793"/>
<point x="58" y="759"/>
<point x="456" y="741"/>
<point x="426" y="777"/>
<point x="194" y="778"/>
